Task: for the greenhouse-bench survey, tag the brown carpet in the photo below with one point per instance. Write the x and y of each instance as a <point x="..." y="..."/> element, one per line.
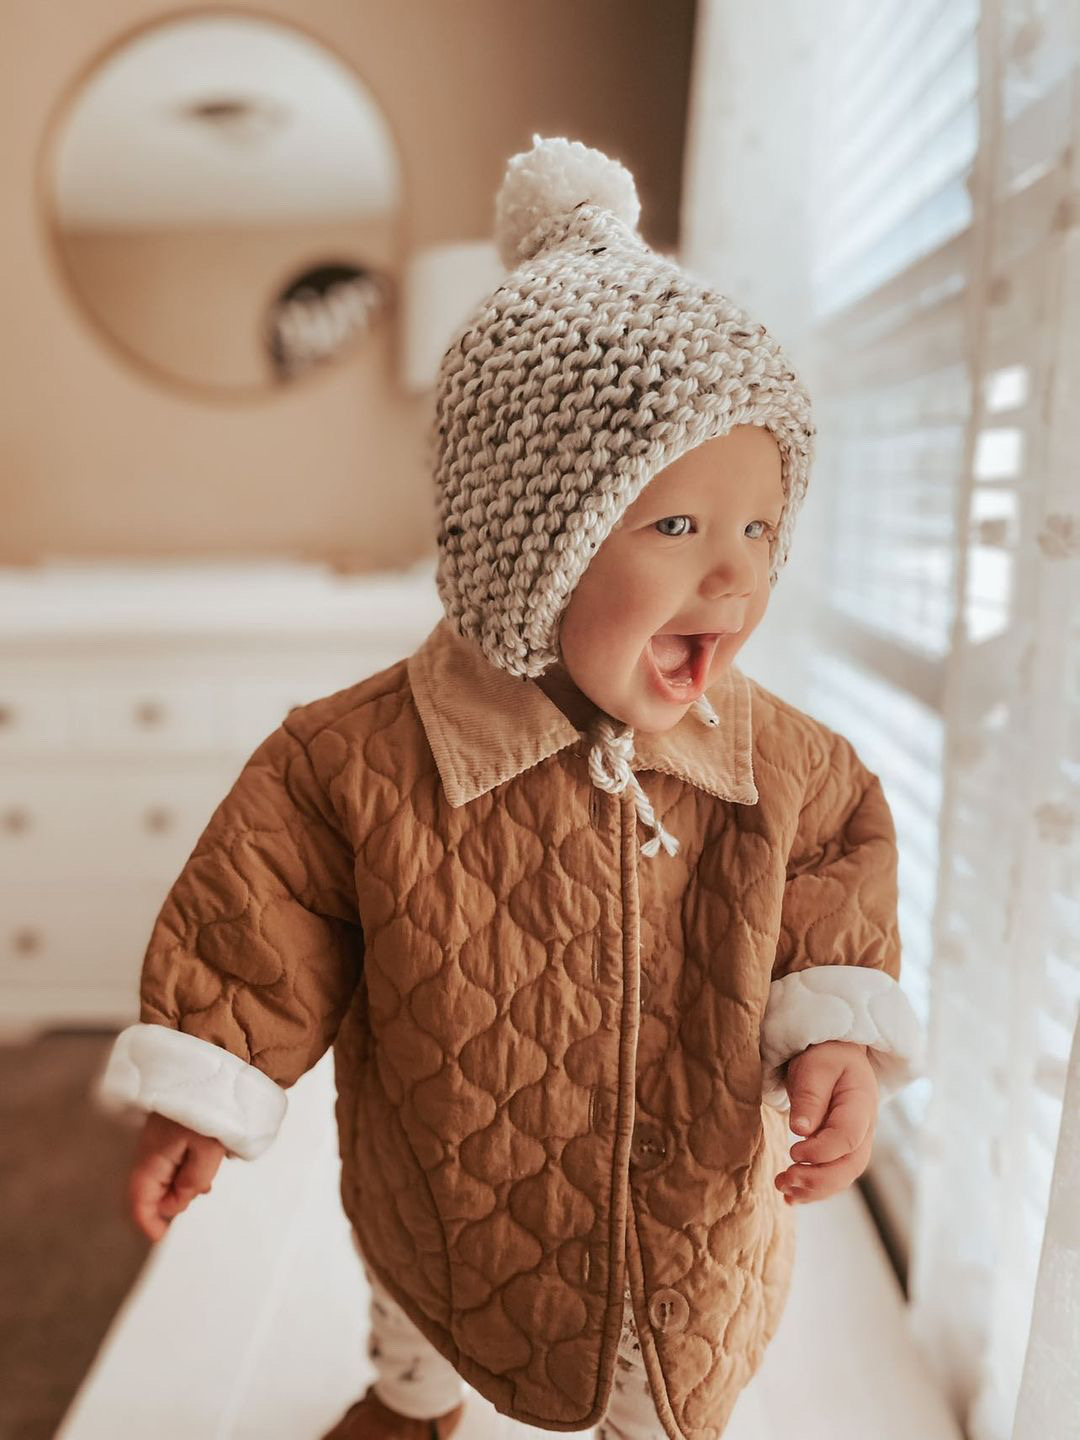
<point x="68" y="1252"/>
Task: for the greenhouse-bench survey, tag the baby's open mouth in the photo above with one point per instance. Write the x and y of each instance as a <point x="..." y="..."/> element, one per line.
<point x="673" y="655"/>
<point x="683" y="660"/>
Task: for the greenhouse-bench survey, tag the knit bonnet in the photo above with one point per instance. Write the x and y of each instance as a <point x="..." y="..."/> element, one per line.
<point x="595" y="364"/>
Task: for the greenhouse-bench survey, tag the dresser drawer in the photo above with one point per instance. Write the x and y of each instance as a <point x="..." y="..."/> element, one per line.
<point x="256" y="700"/>
<point x="147" y="718"/>
<point x="33" y="716"/>
<point x="254" y="707"/>
<point x="73" y="823"/>
<point x="82" y="937"/>
<point x="218" y="703"/>
<point x="132" y="716"/>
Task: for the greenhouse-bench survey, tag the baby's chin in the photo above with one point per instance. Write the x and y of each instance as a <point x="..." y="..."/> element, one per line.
<point x="650" y="716"/>
<point x="647" y="720"/>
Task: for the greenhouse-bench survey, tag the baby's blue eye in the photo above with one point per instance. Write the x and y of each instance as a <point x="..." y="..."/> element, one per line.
<point x="672" y="517"/>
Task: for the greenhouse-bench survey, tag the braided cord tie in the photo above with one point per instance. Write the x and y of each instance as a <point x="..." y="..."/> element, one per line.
<point x="609" y="767"/>
<point x="610" y="760"/>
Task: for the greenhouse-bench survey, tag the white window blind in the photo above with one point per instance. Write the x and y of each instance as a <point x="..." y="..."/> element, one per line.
<point x="897" y="134"/>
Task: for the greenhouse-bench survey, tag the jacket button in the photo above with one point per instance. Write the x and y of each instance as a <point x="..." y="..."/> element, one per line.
<point x="646" y="1146"/>
<point x="668" y="1311"/>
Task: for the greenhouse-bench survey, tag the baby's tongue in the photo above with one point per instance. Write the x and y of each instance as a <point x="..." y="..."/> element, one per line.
<point x="673" y="654"/>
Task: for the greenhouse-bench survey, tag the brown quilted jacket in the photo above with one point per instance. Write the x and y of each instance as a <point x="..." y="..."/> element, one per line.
<point x="556" y="1075"/>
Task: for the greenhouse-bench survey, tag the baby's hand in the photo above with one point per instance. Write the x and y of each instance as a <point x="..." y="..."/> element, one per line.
<point x="833" y="1086"/>
<point x="172" y="1165"/>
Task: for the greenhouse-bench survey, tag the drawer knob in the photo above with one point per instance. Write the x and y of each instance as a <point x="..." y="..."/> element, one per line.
<point x="16" y="820"/>
<point x="158" y="819"/>
<point x="149" y="712"/>
<point x="27" y="941"/>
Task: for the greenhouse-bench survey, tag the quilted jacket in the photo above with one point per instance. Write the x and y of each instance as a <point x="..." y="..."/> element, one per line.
<point x="559" y="1065"/>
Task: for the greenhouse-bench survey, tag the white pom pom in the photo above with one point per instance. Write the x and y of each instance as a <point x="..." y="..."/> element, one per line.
<point x="546" y="182"/>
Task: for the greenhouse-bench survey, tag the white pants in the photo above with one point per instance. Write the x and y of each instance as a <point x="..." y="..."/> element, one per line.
<point x="415" y="1380"/>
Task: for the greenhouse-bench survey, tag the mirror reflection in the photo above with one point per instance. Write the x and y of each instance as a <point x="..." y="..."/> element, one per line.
<point x="223" y="194"/>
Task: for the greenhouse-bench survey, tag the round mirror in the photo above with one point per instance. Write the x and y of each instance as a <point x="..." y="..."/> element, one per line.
<point x="223" y="195"/>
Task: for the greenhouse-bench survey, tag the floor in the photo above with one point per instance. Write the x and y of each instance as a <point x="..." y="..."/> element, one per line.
<point x="68" y="1255"/>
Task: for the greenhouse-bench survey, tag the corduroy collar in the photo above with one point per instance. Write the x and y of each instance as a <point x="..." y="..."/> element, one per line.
<point x="485" y="726"/>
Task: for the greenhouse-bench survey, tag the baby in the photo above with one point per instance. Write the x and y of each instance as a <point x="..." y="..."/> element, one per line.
<point x="563" y="1053"/>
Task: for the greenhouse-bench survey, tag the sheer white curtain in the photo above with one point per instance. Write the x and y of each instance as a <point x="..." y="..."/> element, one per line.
<point x="894" y="189"/>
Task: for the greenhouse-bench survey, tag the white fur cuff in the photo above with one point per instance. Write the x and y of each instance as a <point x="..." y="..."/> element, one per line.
<point x="202" y="1086"/>
<point x="840" y="1002"/>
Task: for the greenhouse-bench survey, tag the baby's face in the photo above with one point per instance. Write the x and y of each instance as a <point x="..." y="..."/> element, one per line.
<point x="689" y="557"/>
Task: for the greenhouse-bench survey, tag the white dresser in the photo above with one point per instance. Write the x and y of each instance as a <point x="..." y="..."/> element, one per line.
<point x="130" y="696"/>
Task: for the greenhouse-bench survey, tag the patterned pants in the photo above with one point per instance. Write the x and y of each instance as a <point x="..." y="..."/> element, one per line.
<point x="415" y="1380"/>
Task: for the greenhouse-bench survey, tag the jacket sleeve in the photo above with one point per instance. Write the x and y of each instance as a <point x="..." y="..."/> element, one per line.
<point x="251" y="963"/>
<point x="837" y="966"/>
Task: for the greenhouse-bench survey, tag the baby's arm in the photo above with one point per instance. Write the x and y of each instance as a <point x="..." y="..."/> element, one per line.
<point x="250" y="966"/>
<point x="837" y="964"/>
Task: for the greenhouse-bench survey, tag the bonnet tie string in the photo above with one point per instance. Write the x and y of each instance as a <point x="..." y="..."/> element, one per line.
<point x="609" y="768"/>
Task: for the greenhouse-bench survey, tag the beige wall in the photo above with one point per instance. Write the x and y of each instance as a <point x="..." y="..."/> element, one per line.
<point x="99" y="458"/>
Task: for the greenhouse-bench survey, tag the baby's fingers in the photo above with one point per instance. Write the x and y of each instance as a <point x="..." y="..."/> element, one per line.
<point x="816" y="1182"/>
<point x="143" y="1205"/>
<point x="148" y="1184"/>
<point x="194" y="1177"/>
<point x="849" y="1121"/>
<point x="828" y="1144"/>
